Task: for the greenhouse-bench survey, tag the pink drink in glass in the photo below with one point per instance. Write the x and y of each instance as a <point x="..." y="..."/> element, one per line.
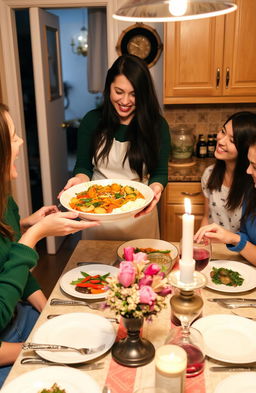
<point x="201" y="256"/>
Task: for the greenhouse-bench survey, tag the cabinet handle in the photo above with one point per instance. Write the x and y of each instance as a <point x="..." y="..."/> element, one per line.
<point x="191" y="193"/>
<point x="218" y="77"/>
<point x="227" y="77"/>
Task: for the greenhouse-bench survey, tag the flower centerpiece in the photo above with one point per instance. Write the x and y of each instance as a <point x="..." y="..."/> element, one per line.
<point x="138" y="292"/>
<point x="140" y="288"/>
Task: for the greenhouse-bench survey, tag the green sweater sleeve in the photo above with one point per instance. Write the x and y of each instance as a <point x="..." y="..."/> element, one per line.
<point x="85" y="136"/>
<point x="31" y="287"/>
<point x="160" y="174"/>
<point x="14" y="279"/>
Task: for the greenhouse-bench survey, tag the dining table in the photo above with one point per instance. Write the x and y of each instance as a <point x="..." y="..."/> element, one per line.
<point x="127" y="379"/>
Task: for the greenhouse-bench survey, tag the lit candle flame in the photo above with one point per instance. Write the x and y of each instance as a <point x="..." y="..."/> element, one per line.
<point x="187" y="205"/>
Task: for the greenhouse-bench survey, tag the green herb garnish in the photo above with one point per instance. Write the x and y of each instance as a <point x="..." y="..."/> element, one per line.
<point x="227" y="277"/>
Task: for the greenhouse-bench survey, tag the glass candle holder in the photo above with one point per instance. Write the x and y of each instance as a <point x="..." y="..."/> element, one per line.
<point x="171" y="364"/>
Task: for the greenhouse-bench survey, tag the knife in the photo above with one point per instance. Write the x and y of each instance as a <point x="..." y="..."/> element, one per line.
<point x="230" y="299"/>
<point x="35" y="360"/>
<point x="232" y="368"/>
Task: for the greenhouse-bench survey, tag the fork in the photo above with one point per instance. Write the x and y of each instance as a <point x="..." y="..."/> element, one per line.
<point x="62" y="302"/>
<point x="236" y="305"/>
<point x="60" y="348"/>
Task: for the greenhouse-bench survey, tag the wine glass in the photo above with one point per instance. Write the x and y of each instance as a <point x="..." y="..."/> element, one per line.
<point x="202" y="253"/>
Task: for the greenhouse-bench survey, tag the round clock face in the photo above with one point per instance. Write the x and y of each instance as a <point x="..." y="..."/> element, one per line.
<point x="142" y="41"/>
<point x="139" y="46"/>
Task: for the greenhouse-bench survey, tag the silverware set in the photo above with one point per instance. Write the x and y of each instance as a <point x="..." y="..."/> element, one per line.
<point x="232" y="368"/>
<point x="63" y="302"/>
<point x="61" y="348"/>
<point x="235" y="302"/>
<point x="37" y="360"/>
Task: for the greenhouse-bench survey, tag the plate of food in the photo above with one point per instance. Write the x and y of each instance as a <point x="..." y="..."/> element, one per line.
<point x="230" y="276"/>
<point x="155" y="248"/>
<point x="107" y="199"/>
<point x="53" y="379"/>
<point x="78" y="330"/>
<point x="88" y="282"/>
<point x="228" y="338"/>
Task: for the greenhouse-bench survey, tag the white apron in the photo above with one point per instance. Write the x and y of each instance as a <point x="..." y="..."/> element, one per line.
<point x="145" y="227"/>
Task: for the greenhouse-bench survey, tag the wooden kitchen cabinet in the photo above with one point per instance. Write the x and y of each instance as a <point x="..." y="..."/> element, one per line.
<point x="172" y="208"/>
<point x="212" y="60"/>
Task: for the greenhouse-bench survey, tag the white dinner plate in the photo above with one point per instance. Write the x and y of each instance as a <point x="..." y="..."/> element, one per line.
<point x="80" y="330"/>
<point x="67" y="378"/>
<point x="228" y="338"/>
<point x="149" y="243"/>
<point x="127" y="210"/>
<point x="74" y="274"/>
<point x="238" y="383"/>
<point x="247" y="272"/>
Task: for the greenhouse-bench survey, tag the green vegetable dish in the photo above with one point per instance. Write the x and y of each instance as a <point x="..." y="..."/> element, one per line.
<point x="54" y="389"/>
<point x="226" y="276"/>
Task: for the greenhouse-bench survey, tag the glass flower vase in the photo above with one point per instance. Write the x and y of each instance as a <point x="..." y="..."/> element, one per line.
<point x="133" y="351"/>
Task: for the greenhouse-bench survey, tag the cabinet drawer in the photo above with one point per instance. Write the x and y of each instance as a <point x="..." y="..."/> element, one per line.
<point x="176" y="192"/>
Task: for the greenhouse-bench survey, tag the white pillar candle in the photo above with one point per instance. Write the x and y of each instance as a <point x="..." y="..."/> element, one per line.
<point x="187" y="263"/>
<point x="171" y="364"/>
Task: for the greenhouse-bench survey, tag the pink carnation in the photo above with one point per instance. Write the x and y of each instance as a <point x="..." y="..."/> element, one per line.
<point x="152" y="269"/>
<point x="147" y="295"/>
<point x="126" y="275"/>
<point x="128" y="253"/>
<point x="140" y="256"/>
<point x="146" y="280"/>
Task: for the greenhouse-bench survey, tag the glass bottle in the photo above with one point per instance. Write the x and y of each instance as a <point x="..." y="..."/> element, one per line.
<point x="210" y="146"/>
<point x="201" y="147"/>
<point x="182" y="139"/>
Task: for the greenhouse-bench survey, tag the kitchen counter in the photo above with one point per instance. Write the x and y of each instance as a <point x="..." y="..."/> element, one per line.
<point x="189" y="173"/>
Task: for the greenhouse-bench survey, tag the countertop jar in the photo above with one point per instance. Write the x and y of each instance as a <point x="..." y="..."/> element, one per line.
<point x="182" y="141"/>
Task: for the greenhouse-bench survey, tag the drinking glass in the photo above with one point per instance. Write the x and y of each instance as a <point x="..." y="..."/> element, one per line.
<point x="202" y="253"/>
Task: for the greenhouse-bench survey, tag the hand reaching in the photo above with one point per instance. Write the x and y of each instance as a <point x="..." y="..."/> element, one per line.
<point x="37" y="216"/>
<point x="73" y="181"/>
<point x="217" y="233"/>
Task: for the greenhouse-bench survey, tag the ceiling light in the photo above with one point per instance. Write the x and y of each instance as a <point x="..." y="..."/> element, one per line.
<point x="172" y="10"/>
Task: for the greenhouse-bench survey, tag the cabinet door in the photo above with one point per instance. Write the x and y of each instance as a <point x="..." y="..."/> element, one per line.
<point x="193" y="58"/>
<point x="172" y="225"/>
<point x="240" y="50"/>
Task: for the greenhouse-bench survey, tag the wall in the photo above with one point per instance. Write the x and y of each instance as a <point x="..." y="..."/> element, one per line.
<point x="74" y="66"/>
<point x="204" y="119"/>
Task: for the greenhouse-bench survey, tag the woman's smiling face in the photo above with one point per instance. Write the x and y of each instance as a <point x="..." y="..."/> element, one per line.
<point x="122" y="97"/>
<point x="251" y="170"/>
<point x="226" y="149"/>
<point x="16" y="142"/>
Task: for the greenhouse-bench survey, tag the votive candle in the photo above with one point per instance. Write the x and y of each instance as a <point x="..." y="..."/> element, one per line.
<point x="171" y="364"/>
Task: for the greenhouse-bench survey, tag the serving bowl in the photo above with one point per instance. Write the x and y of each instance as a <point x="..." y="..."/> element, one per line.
<point x="71" y="192"/>
<point x="160" y="258"/>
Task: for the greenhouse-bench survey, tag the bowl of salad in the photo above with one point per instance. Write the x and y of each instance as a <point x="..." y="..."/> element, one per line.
<point x="107" y="199"/>
<point x="158" y="251"/>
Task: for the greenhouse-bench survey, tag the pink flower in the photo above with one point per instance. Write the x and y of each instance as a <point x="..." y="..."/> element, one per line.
<point x="128" y="253"/>
<point x="165" y="291"/>
<point x="140" y="256"/>
<point x="147" y="295"/>
<point x="126" y="275"/>
<point x="146" y="280"/>
<point x="152" y="269"/>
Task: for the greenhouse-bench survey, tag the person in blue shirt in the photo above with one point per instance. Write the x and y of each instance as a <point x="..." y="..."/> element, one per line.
<point x="243" y="241"/>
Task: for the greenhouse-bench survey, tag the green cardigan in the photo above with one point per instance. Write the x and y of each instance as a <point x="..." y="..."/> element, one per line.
<point x="85" y="136"/>
<point x="16" y="281"/>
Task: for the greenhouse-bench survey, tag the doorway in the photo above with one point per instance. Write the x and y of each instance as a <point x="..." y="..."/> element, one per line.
<point x="77" y="99"/>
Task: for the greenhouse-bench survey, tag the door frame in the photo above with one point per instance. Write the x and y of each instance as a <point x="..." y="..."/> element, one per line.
<point x="11" y="79"/>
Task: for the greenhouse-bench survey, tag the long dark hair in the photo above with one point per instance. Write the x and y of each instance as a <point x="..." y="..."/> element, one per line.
<point x="5" y="161"/>
<point x="143" y="131"/>
<point x="244" y="126"/>
<point x="250" y="197"/>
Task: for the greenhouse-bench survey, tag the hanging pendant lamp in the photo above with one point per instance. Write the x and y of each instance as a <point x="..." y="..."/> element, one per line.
<point x="172" y="10"/>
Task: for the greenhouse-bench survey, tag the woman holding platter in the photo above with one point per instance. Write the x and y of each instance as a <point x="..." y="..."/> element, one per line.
<point x="127" y="138"/>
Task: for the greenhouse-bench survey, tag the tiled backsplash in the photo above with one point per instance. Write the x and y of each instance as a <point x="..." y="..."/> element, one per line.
<point x="204" y="119"/>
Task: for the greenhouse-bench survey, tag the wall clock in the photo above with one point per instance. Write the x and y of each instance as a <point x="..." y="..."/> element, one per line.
<point x="140" y="40"/>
